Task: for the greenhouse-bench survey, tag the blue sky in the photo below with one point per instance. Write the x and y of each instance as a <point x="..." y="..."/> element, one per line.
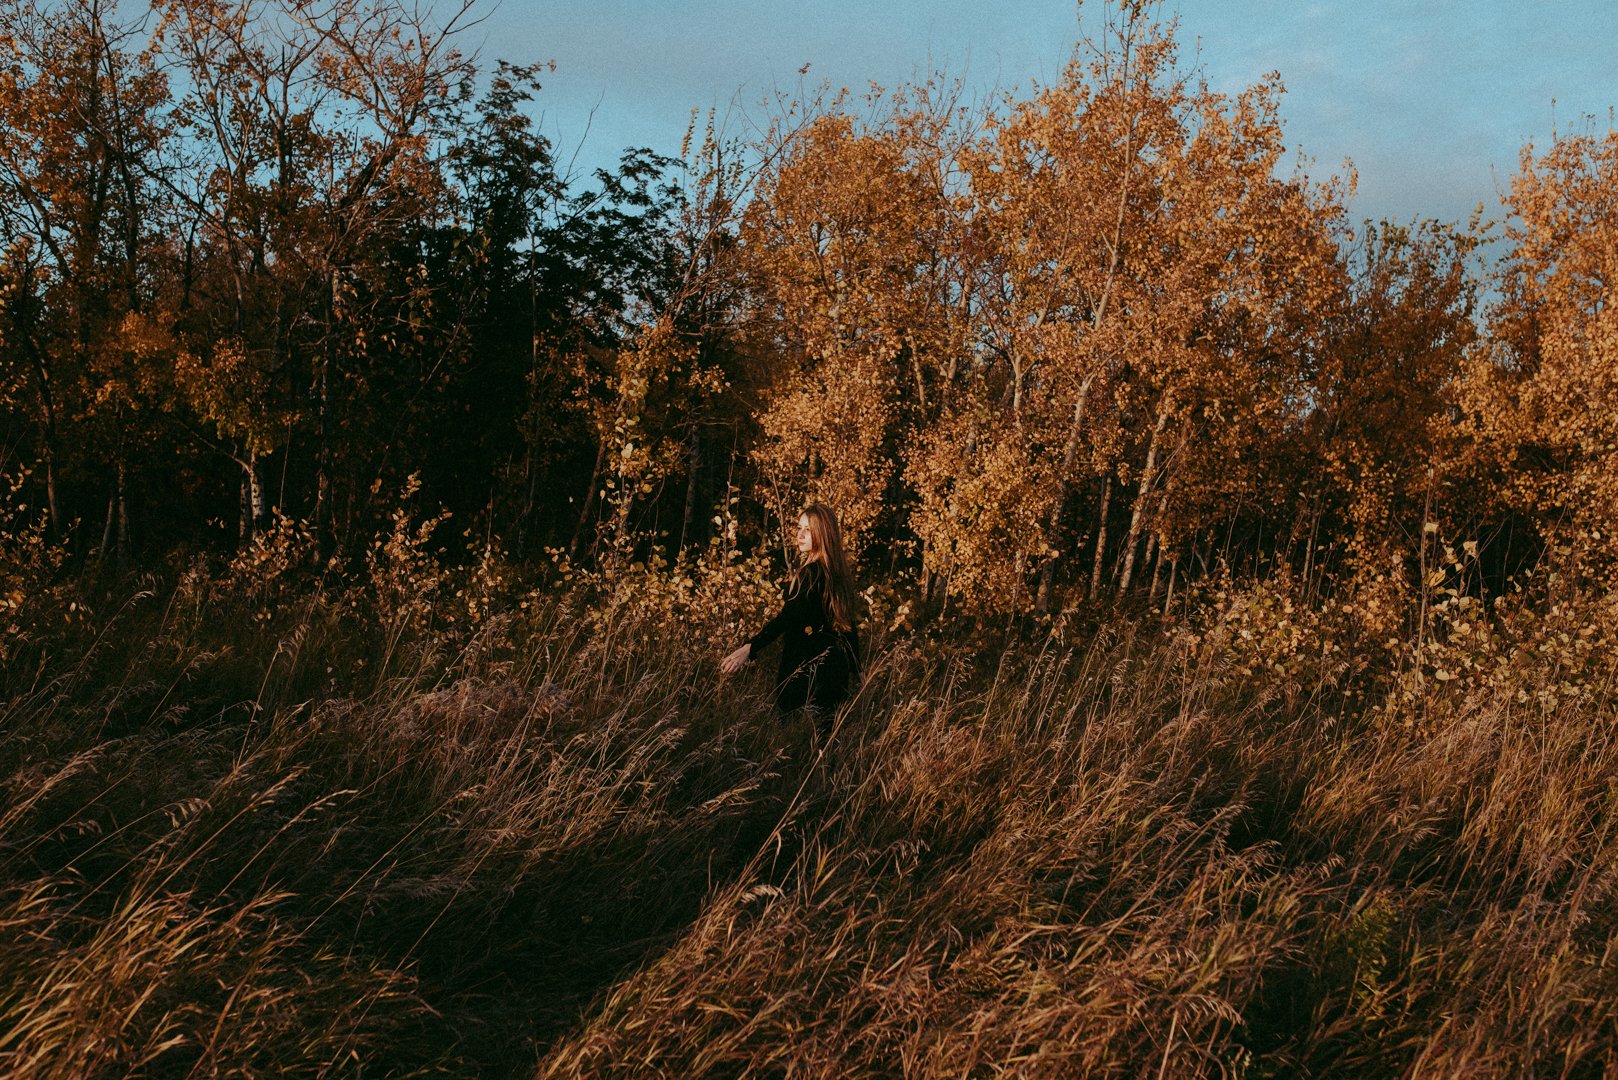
<point x="1431" y="101"/>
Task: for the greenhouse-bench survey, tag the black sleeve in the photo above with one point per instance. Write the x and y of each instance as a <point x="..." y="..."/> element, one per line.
<point x="800" y="603"/>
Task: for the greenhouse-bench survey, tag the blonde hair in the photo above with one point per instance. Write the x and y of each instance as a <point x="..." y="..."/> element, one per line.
<point x="827" y="549"/>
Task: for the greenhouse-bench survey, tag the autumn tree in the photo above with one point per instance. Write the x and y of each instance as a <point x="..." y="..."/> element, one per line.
<point x="80" y="119"/>
<point x="1066" y="183"/>
<point x="1378" y="424"/>
<point x="853" y="249"/>
<point x="1104" y="290"/>
<point x="1539" y="401"/>
<point x="706" y="307"/>
<point x="308" y="145"/>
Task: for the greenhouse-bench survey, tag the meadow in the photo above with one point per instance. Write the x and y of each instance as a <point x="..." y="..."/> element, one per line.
<point x="423" y="819"/>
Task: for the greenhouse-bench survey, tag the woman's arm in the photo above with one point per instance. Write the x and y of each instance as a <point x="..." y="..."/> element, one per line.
<point x="776" y="626"/>
<point x="800" y="601"/>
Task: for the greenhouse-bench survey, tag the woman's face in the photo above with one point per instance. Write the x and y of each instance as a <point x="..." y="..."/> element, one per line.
<point x="806" y="539"/>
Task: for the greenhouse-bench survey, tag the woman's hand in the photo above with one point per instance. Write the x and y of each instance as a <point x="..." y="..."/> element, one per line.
<point x="731" y="664"/>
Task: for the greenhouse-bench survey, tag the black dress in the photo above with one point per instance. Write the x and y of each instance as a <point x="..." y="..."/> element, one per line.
<point x="820" y="665"/>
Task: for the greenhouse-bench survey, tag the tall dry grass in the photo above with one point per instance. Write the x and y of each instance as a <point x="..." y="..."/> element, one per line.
<point x="258" y="822"/>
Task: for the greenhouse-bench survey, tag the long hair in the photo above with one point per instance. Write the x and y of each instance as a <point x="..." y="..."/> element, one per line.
<point x="828" y="552"/>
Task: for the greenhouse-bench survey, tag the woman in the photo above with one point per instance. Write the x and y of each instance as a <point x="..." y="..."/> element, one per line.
<point x="820" y="647"/>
